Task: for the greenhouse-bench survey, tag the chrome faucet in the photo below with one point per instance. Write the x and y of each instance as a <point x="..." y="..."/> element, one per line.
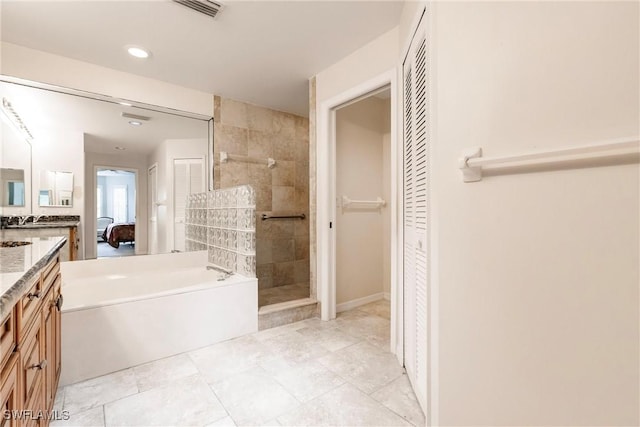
<point x="37" y="218"/>
<point x="23" y="219"/>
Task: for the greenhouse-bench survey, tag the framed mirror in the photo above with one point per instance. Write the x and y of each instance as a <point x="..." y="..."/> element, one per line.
<point x="12" y="192"/>
<point x="56" y="189"/>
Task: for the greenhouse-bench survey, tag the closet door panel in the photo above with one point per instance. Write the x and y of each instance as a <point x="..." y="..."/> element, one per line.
<point x="416" y="212"/>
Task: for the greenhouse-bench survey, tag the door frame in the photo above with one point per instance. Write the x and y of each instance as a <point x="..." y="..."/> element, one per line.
<point x="94" y="191"/>
<point x="326" y="202"/>
<point x="153" y="204"/>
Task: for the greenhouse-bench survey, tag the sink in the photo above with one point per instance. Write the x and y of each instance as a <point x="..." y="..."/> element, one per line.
<point x="12" y="244"/>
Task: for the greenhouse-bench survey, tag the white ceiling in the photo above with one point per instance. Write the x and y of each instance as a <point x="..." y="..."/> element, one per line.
<point x="261" y="52"/>
<point x="43" y="111"/>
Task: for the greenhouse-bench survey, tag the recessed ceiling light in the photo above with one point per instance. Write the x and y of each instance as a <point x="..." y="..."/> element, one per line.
<point x="120" y="148"/>
<point x="138" y="52"/>
<point x="135" y="123"/>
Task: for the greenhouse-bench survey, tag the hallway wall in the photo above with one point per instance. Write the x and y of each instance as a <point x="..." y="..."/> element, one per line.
<point x="362" y="235"/>
<point x="538" y="272"/>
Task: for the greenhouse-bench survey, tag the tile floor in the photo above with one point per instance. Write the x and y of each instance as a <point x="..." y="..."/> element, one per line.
<point x="284" y="293"/>
<point x="309" y="373"/>
<point x="125" y="249"/>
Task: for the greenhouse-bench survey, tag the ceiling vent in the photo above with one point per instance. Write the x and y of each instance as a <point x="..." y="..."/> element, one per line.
<point x="207" y="7"/>
<point x="135" y="117"/>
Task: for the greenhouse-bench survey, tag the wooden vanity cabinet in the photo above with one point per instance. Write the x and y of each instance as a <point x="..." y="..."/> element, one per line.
<point x="9" y="393"/>
<point x="30" y="374"/>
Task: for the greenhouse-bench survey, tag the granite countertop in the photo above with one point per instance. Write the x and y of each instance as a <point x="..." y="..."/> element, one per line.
<point x="32" y="225"/>
<point x="19" y="264"/>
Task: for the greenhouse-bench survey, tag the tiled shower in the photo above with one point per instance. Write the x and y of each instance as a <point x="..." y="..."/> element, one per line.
<point x="250" y="135"/>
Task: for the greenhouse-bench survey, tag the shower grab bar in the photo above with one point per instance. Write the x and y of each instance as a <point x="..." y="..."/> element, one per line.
<point x="379" y="202"/>
<point x="471" y="163"/>
<point x="265" y="216"/>
<point x="225" y="157"/>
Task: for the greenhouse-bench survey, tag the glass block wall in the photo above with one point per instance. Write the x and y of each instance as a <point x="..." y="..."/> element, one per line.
<point x="224" y="223"/>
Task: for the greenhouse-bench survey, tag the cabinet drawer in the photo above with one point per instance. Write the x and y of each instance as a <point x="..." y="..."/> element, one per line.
<point x="48" y="280"/>
<point x="49" y="273"/>
<point x="8" y="337"/>
<point x="29" y="305"/>
<point x="9" y="396"/>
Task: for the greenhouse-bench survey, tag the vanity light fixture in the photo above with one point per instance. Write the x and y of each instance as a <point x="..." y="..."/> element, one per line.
<point x="126" y="104"/>
<point x="13" y="118"/>
<point x="138" y="52"/>
<point x="135" y="123"/>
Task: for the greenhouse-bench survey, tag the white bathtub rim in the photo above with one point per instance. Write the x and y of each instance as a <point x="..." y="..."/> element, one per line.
<point x="229" y="281"/>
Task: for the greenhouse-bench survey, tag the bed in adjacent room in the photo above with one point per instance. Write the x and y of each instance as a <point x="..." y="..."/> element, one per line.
<point x="115" y="234"/>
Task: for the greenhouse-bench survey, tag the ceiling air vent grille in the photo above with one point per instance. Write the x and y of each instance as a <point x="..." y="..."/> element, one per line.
<point x="207" y="7"/>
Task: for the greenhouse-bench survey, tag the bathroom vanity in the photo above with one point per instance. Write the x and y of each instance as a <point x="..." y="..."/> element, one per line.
<point x="51" y="226"/>
<point x="30" y="319"/>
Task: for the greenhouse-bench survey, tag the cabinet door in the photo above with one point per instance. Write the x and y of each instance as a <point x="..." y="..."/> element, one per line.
<point x="57" y="323"/>
<point x="33" y="363"/>
<point x="49" y="348"/>
<point x="9" y="397"/>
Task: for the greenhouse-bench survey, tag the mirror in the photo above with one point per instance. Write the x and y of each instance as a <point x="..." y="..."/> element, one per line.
<point x="56" y="189"/>
<point x="77" y="136"/>
<point x="12" y="190"/>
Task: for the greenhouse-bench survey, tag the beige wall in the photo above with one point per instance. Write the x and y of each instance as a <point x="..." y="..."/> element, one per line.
<point x="249" y="130"/>
<point x="30" y="64"/>
<point x="125" y="161"/>
<point x="538" y="280"/>
<point x="361" y="234"/>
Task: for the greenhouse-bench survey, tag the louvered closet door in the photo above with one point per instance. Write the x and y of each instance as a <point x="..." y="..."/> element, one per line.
<point x="188" y="178"/>
<point x="416" y="210"/>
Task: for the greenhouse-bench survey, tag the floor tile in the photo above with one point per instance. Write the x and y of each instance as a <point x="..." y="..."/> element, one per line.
<point x="400" y="398"/>
<point x="98" y="391"/>
<point x="304" y="380"/>
<point x="344" y="406"/>
<point x="331" y="339"/>
<point x="187" y="401"/>
<point x="363" y="365"/>
<point x="254" y="397"/>
<point x="225" y="422"/>
<point x="228" y="358"/>
<point x="59" y="400"/>
<point x="93" y="417"/>
<point x="295" y="347"/>
<point x="164" y="371"/>
<point x="381" y="308"/>
<point x="279" y="330"/>
<point x="374" y="329"/>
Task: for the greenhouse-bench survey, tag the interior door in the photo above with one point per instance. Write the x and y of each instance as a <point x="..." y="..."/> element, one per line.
<point x="188" y="178"/>
<point x="416" y="212"/>
<point x="153" y="209"/>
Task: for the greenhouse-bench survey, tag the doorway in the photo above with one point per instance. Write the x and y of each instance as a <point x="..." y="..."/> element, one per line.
<point x="363" y="191"/>
<point x="116" y="203"/>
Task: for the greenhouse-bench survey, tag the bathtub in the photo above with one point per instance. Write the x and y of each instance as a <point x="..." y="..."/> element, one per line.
<point x="122" y="312"/>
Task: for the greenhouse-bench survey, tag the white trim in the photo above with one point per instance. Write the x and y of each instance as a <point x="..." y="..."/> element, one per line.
<point x="326" y="201"/>
<point x="349" y="305"/>
<point x="433" y="285"/>
<point x="94" y="221"/>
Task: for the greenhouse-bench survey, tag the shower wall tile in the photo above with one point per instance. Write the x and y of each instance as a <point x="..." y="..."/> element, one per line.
<point x="283" y="199"/>
<point x="284" y="174"/>
<point x="282" y="190"/>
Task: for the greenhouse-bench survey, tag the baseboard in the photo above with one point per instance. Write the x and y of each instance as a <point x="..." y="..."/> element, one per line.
<point x="358" y="302"/>
<point x="387" y="296"/>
